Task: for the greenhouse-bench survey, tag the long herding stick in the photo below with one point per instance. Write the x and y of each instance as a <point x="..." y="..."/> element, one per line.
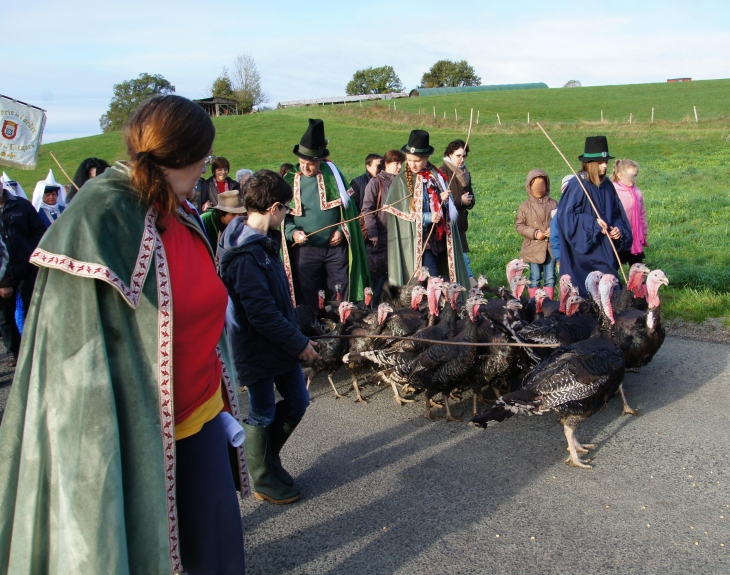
<point x="605" y="230"/>
<point x="448" y="187"/>
<point x="64" y="171"/>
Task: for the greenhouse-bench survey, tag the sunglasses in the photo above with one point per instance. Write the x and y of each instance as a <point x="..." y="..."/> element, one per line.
<point x="278" y="205"/>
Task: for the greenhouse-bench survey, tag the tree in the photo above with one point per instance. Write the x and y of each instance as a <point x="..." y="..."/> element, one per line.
<point x="451" y="74"/>
<point x="573" y="84"/>
<point x="246" y="84"/>
<point x="222" y="86"/>
<point x="130" y="94"/>
<point x="381" y="80"/>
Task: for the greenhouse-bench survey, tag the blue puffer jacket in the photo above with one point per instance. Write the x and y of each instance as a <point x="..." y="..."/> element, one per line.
<point x="264" y="338"/>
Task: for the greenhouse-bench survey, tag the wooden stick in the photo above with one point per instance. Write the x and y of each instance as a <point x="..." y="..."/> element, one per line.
<point x="631" y="117"/>
<point x="500" y="121"/>
<point x="696" y="118"/>
<point x="652" y="115"/>
<point x="456" y="115"/>
<point x="434" y="112"/>
<point x="595" y="209"/>
<point x="477" y="117"/>
<point x="355" y="218"/>
<point x="435" y="341"/>
<point x="528" y="117"/>
<point x="64" y="171"/>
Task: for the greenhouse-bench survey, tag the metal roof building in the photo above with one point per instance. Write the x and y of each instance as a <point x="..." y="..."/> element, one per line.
<point x="463" y="89"/>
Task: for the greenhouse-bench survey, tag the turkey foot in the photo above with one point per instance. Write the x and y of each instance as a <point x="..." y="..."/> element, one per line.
<point x="360" y="398"/>
<point x="448" y="411"/>
<point x="433" y="403"/>
<point x="427" y="413"/>
<point x="626" y="410"/>
<point x="632" y="370"/>
<point x="398" y="399"/>
<point x="574" y="460"/>
<point x="332" y="383"/>
<point x="455" y="395"/>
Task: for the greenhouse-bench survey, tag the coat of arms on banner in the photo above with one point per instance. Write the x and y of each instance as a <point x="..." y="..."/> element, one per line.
<point x="20" y="133"/>
<point x="10" y="129"/>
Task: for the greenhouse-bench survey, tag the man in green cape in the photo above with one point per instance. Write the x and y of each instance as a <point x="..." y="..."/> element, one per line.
<point x="321" y="200"/>
<point x="87" y="442"/>
<point x="412" y="231"/>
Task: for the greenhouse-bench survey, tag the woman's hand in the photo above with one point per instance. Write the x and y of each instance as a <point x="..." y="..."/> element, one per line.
<point x="604" y="225"/>
<point x="374" y="241"/>
<point x="466" y="199"/>
<point x="309" y="353"/>
<point x="614" y="233"/>
<point x="445" y="195"/>
<point x="436" y="217"/>
<point x="6" y="292"/>
<point x="207" y="205"/>
<point x="299" y="237"/>
<point x="336" y="238"/>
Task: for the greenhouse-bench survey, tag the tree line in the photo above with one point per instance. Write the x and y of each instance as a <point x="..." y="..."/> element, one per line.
<point x="383" y="80"/>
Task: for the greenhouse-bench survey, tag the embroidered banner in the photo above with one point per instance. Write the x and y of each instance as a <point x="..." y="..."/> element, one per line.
<point x="21" y="128"/>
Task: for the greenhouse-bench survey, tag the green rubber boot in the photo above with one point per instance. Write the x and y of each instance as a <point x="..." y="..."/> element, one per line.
<point x="266" y="486"/>
<point x="281" y="429"/>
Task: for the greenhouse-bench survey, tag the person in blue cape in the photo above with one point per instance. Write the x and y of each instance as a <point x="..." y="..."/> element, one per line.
<point x="584" y="238"/>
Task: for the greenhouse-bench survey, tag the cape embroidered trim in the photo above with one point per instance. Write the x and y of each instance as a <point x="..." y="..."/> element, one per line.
<point x="131" y="293"/>
<point x="167" y="412"/>
<point x="323" y="203"/>
<point x="235" y="412"/>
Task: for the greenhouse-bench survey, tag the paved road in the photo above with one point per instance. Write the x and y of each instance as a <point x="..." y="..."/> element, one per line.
<point x="386" y="491"/>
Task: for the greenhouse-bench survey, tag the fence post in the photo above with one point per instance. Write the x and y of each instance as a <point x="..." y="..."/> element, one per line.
<point x="528" y="117"/>
<point x="477" y="117"/>
<point x="652" y="115"/>
<point x="434" y="112"/>
<point x="696" y="118"/>
<point x="394" y="107"/>
<point x="456" y="115"/>
<point x="631" y="117"/>
<point x="601" y="116"/>
<point x="500" y="121"/>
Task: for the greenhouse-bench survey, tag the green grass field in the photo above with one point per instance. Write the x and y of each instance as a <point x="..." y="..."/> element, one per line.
<point x="684" y="164"/>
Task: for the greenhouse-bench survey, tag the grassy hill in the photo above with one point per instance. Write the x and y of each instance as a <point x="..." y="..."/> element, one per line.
<point x="684" y="164"/>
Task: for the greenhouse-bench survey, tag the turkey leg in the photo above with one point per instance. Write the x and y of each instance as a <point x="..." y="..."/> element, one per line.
<point x="360" y="398"/>
<point x="398" y="399"/>
<point x="574" y="460"/>
<point x="332" y="383"/>
<point x="448" y="411"/>
<point x="626" y="409"/>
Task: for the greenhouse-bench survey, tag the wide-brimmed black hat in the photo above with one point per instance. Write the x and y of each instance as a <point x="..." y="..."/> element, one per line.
<point x="596" y="150"/>
<point x="313" y="145"/>
<point x="418" y="144"/>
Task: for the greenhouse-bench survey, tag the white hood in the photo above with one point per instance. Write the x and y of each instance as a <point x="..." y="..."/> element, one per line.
<point x="5" y="179"/>
<point x="41" y="186"/>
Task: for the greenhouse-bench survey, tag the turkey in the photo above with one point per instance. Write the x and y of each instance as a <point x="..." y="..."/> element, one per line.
<point x="640" y="334"/>
<point x="364" y="343"/>
<point x="441" y="367"/>
<point x="401" y="296"/>
<point x="575" y="381"/>
<point x="558" y="328"/>
<point x="308" y="321"/>
<point x="550" y="306"/>
<point x="330" y="350"/>
<point x="634" y="296"/>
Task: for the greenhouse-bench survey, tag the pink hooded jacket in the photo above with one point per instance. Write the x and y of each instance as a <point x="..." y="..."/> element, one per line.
<point x="636" y="214"/>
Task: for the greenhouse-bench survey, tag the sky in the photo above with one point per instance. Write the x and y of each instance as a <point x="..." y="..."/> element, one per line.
<point x="68" y="55"/>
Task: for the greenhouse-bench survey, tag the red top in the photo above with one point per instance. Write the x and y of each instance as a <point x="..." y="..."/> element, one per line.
<point x="221" y="186"/>
<point x="199" y="301"/>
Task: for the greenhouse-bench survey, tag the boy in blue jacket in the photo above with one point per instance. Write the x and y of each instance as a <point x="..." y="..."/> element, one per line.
<point x="266" y="343"/>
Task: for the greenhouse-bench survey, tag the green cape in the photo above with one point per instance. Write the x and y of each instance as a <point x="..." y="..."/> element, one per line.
<point x="359" y="271"/>
<point x="87" y="446"/>
<point x="406" y="235"/>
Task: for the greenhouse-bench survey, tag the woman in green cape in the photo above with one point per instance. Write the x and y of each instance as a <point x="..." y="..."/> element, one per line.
<point x="422" y="219"/>
<point x="113" y="450"/>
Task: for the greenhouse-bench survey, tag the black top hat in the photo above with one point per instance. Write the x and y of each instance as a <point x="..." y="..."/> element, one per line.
<point x="313" y="145"/>
<point x="418" y="144"/>
<point x="596" y="150"/>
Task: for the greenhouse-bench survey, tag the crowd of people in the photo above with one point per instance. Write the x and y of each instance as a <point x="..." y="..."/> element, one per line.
<point x="115" y="454"/>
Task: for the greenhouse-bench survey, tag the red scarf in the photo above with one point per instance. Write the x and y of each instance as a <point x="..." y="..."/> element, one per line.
<point x="434" y="195"/>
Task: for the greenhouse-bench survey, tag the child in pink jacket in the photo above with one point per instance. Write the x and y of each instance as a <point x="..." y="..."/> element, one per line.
<point x="624" y="180"/>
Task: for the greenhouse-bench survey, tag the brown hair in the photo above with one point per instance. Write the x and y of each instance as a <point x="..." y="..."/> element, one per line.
<point x="285" y="168"/>
<point x="393" y="156"/>
<point x="165" y="131"/>
<point x="220" y="162"/>
<point x="457" y="145"/>
<point x="264" y="189"/>
<point x="620" y="166"/>
<point x="591" y="168"/>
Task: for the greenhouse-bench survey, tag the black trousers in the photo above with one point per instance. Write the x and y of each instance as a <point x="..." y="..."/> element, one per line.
<point x="209" y="519"/>
<point x="8" y="327"/>
<point x="316" y="268"/>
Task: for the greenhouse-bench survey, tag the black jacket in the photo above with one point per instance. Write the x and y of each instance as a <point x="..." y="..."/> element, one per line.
<point x="22" y="230"/>
<point x="209" y="191"/>
<point x="264" y="337"/>
<point x="358" y="187"/>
